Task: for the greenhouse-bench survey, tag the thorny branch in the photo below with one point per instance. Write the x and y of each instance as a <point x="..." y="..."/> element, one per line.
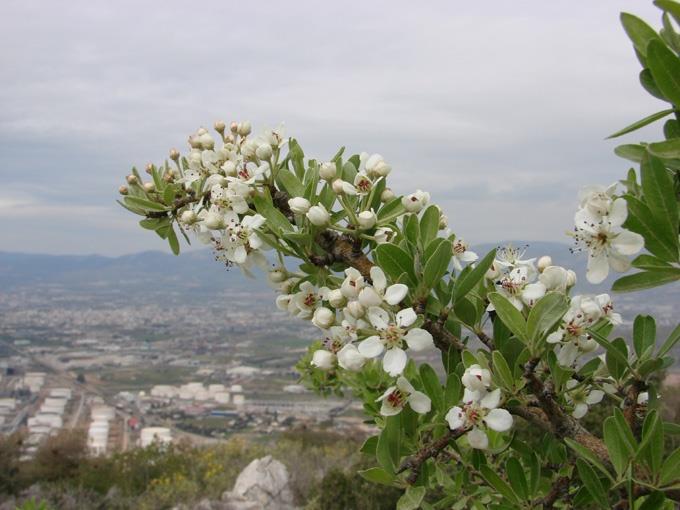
<point x="428" y="451"/>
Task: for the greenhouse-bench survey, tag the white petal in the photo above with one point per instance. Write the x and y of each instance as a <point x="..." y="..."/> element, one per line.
<point x="468" y="256"/>
<point x="580" y="410"/>
<point x="406" y="317"/>
<point x="455" y="417"/>
<point x="387" y="392"/>
<point x="323" y="359"/>
<point x="420" y="402"/>
<point x="618" y="212"/>
<point x="618" y="263"/>
<point x="555" y="336"/>
<point x="628" y="243"/>
<point x="369" y="297"/>
<point x="388" y="410"/>
<point x="477" y="439"/>
<point x="470" y="396"/>
<point x="404" y="385"/>
<point x="378" y="278"/>
<point x="491" y="399"/>
<point x="395" y="293"/>
<point x="499" y="420"/>
<point x="598" y="268"/>
<point x="371" y="347"/>
<point x="419" y="339"/>
<point x="378" y="317"/>
<point x="595" y="397"/>
<point x="350" y="358"/>
<point x="394" y="361"/>
<point x="240" y="255"/>
<point x="533" y="292"/>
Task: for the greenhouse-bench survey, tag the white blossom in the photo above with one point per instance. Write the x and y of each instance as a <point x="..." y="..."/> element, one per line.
<point x="581" y="397"/>
<point x="379" y="292"/>
<point x="478" y="411"/>
<point x="462" y="254"/>
<point x="396" y="397"/>
<point x="318" y="215"/>
<point x="299" y="205"/>
<point x="415" y="202"/>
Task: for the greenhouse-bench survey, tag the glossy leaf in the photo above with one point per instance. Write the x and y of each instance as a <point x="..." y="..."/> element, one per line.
<point x="465" y="284"/>
<point x="645" y="280"/>
<point x="641" y="123"/>
<point x="411" y="499"/>
<point x="639" y="32"/>
<point x="665" y="68"/>
<point x="592" y="483"/>
<point x="510" y="315"/>
<point x="545" y="314"/>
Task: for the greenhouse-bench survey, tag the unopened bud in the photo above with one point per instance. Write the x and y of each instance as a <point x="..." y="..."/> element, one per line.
<point x="337" y="186"/>
<point x="201" y="131"/>
<point x="323" y="318"/>
<point x="299" y="205"/>
<point x="149" y="168"/>
<point x="327" y="171"/>
<point x="367" y="219"/>
<point x="188" y="217"/>
<point x="493" y="272"/>
<point x="443" y="222"/>
<point x="233" y="127"/>
<point x="229" y="168"/>
<point x="131" y="179"/>
<point x="387" y="195"/>
<point x="336" y="299"/>
<point x="244" y="128"/>
<point x="194" y="142"/>
<point x="277" y="275"/>
<point x="571" y="278"/>
<point x="214" y="221"/>
<point x="543" y="262"/>
<point x="123" y="190"/>
<point x="168" y="177"/>
<point x="356" y="309"/>
<point x="207" y="141"/>
<point x="264" y="151"/>
<point x="318" y="216"/>
<point x="174" y="154"/>
<point x="149" y="187"/>
<point x="220" y="126"/>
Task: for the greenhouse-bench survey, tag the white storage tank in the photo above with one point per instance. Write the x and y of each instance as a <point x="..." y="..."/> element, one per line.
<point x="239" y="400"/>
<point x="236" y="388"/>
<point x="61" y="392"/>
<point x="213" y="389"/>
<point x="222" y="397"/>
<point x="102" y="413"/>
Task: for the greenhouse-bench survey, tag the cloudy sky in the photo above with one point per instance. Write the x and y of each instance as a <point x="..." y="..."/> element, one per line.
<point x="498" y="108"/>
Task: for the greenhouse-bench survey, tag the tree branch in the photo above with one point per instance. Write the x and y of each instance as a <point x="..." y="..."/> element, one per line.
<point x="428" y="451"/>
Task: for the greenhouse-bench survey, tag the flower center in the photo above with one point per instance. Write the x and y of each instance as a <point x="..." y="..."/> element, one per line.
<point x="473" y="413"/>
<point x="310" y="300"/>
<point x="392" y="336"/>
<point x="397" y="398"/>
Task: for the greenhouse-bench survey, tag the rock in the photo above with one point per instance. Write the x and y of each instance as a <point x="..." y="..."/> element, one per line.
<point x="262" y="485"/>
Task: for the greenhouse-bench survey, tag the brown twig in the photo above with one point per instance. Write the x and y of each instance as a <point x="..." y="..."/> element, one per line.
<point x="558" y="490"/>
<point x="485" y="339"/>
<point x="428" y="451"/>
<point x="631" y="406"/>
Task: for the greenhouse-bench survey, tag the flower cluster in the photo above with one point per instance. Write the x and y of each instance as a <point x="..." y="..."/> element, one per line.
<point x="572" y="338"/>
<point x="479" y="409"/>
<point x="598" y="231"/>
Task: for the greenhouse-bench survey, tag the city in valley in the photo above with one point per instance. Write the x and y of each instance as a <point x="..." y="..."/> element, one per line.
<point x="135" y="350"/>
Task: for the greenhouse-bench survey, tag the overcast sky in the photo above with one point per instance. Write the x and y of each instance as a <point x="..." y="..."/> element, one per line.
<point x="498" y="108"/>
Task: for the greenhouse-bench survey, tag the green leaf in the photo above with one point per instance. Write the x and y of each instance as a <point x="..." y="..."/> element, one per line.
<point x="665" y="68"/>
<point x="658" y="190"/>
<point x="432" y="386"/>
<point x="502" y="370"/>
<point x="453" y="393"/>
<point x="274" y="217"/>
<point x="499" y="484"/>
<point x="370" y="445"/>
<point x="429" y="224"/>
<point x="654" y="501"/>
<point x="377" y="475"/>
<point x="644" y="333"/>
<point x="391" y="209"/>
<point x="535" y="473"/>
<point x="172" y="241"/>
<point x="617" y="452"/>
<point x="631" y="152"/>
<point x="589" y="455"/>
<point x="659" y="240"/>
<point x="466" y="283"/>
<point x="650" y="263"/>
<point x="670" y="471"/>
<point x="651" y="448"/>
<point x="592" y="483"/>
<point x="510" y="315"/>
<point x="671" y="129"/>
<point x="669" y="149"/>
<point x="143" y="203"/>
<point x="395" y="261"/>
<point x="547" y="312"/>
<point x="639" y="32"/>
<point x="437" y="265"/>
<point x="641" y="123"/>
<point x="411" y="499"/>
<point x="648" y="83"/>
<point x="290" y="182"/>
<point x="670" y="6"/>
<point x="670" y="342"/>
<point x="645" y="280"/>
<point x="517" y="478"/>
<point x="614" y="358"/>
<point x="412" y="228"/>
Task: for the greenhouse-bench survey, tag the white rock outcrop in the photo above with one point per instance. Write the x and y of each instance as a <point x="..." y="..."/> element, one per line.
<point x="262" y="485"/>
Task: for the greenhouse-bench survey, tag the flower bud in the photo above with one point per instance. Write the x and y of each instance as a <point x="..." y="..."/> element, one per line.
<point x="277" y="275"/>
<point x="327" y="171"/>
<point x="174" y="154"/>
<point x="337" y="186"/>
<point x="214" y="221"/>
<point x="244" y="128"/>
<point x="149" y="187"/>
<point x="356" y="309"/>
<point x="571" y="278"/>
<point x="123" y="190"/>
<point x="323" y="318"/>
<point x="589" y="345"/>
<point x="383" y="235"/>
<point x="443" y="221"/>
<point x="543" y="262"/>
<point x="336" y="299"/>
<point x="367" y="219"/>
<point x="229" y="168"/>
<point x="194" y="142"/>
<point x="201" y="131"/>
<point x="233" y="127"/>
<point x="149" y="168"/>
<point x="387" y="195"/>
<point x="318" y="216"/>
<point x="131" y="179"/>
<point x="169" y="177"/>
<point x="415" y="202"/>
<point x="299" y="205"/>
<point x="207" y="142"/>
<point x="323" y="359"/>
<point x="220" y="126"/>
<point x="282" y="301"/>
<point x="188" y="217"/>
<point x="264" y="151"/>
<point x="350" y="358"/>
